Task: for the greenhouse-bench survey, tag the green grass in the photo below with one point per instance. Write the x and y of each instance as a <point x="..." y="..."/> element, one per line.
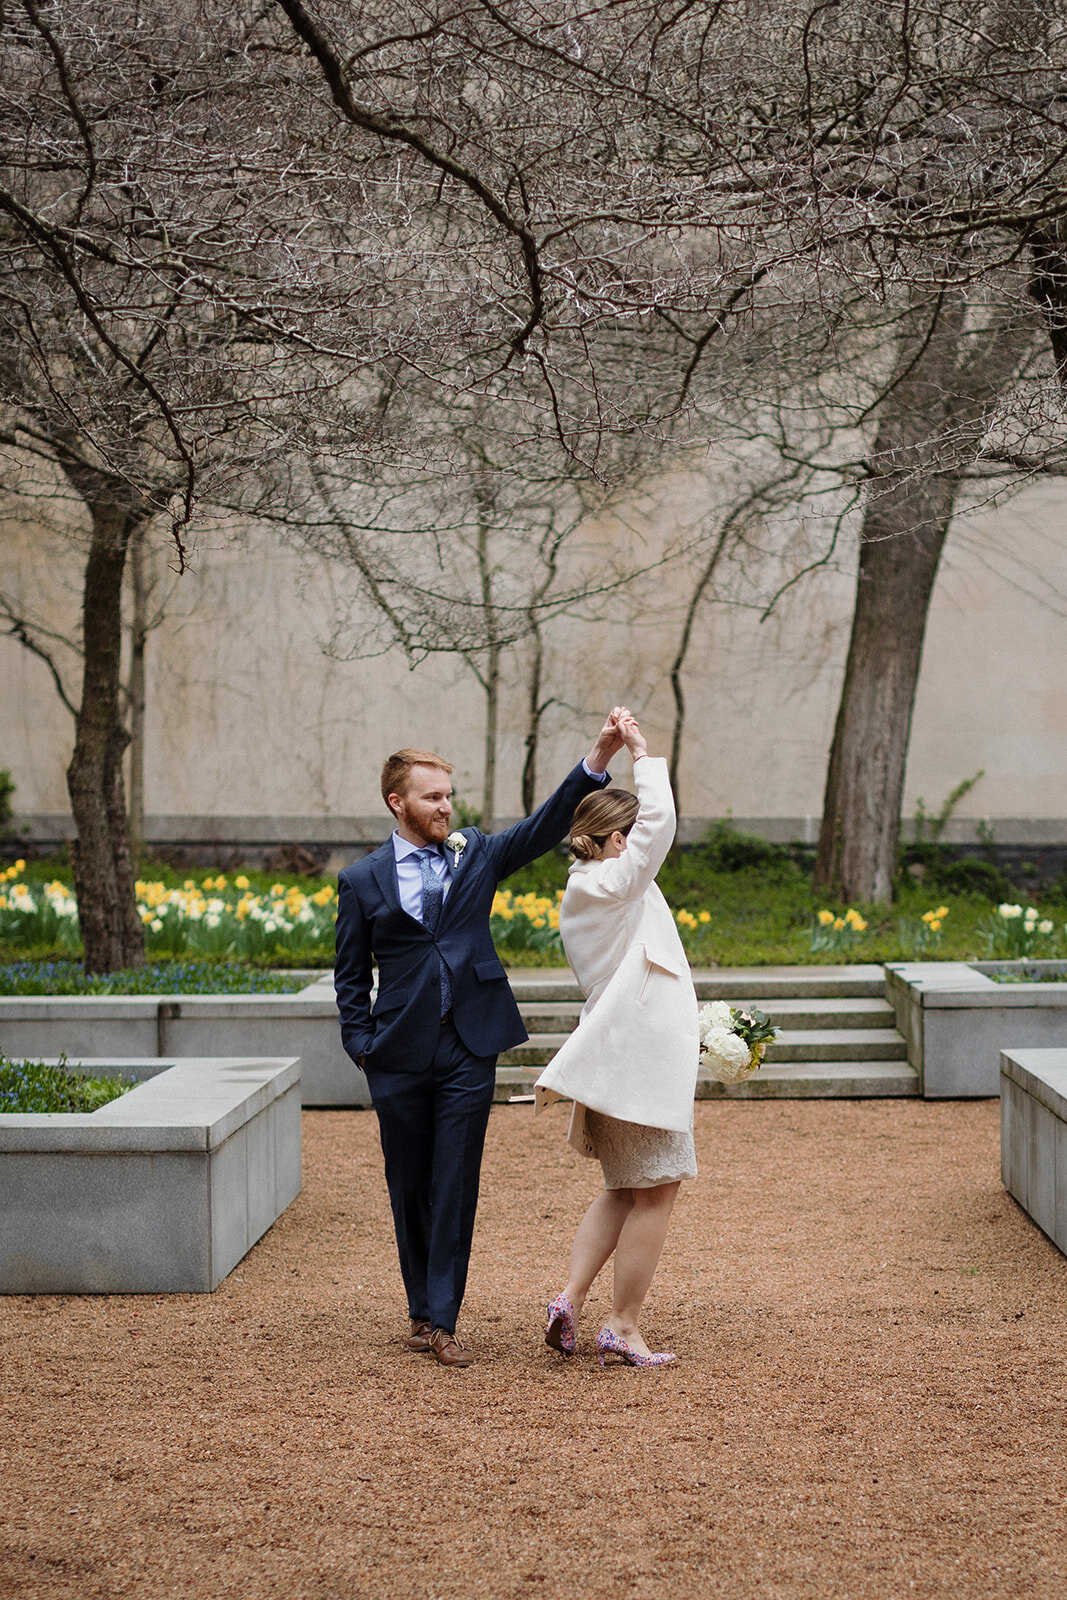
<point x="46" y="977"/>
<point x="764" y="915"/>
<point x="757" y="903"/>
<point x="34" y="1086"/>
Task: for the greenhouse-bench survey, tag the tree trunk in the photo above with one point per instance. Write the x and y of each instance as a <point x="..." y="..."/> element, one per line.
<point x="534" y="712"/>
<point x="135" y="694"/>
<point x="492" y="718"/>
<point x="103" y="870"/>
<point x="678" y="664"/>
<point x="861" y="815"/>
<point x="933" y="419"/>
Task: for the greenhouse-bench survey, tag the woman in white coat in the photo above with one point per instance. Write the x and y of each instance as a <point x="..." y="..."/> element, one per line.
<point x="630" y="1066"/>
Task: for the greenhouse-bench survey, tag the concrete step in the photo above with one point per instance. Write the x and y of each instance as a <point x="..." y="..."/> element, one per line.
<point x="838" y="1044"/>
<point x="817" y="1080"/>
<point x="735" y="984"/>
<point x="809" y="1080"/>
<point x="546" y="1016"/>
<point x="536" y="1052"/>
<point x="805" y="1044"/>
<point x="550" y="1016"/>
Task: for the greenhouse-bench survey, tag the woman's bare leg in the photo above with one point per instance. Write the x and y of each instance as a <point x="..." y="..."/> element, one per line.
<point x="598" y="1234"/>
<point x="637" y="1253"/>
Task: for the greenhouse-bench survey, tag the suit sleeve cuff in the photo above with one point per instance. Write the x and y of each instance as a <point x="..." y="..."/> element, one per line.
<point x="598" y="777"/>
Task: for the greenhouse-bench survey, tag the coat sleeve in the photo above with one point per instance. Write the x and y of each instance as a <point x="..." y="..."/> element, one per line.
<point x="353" y="971"/>
<point x="519" y="845"/>
<point x="650" y="838"/>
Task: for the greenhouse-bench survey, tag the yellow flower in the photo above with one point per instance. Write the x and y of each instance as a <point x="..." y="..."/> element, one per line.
<point x="3" y="902"/>
<point x="839" y="923"/>
<point x="935" y="924"/>
<point x="188" y="884"/>
<point x="241" y="882"/>
<point x="20" y="866"/>
<point x="941" y="913"/>
<point x="858" y="924"/>
<point x="220" y="882"/>
<point x="322" y="898"/>
<point x="854" y="918"/>
<point x="704" y="916"/>
<point x="825" y="918"/>
<point x="929" y="916"/>
<point x="277" y="890"/>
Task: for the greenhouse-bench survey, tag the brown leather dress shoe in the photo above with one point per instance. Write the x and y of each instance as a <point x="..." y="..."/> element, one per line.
<point x="448" y="1350"/>
<point x="419" y="1337"/>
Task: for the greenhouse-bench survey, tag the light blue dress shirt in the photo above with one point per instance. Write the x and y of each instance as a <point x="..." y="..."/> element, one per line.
<point x="409" y="874"/>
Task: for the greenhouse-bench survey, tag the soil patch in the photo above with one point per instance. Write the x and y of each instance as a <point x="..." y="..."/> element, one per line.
<point x="869" y="1403"/>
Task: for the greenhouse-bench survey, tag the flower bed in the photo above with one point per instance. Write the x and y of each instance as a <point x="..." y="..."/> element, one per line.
<point x="216" y="916"/>
<point x="162" y="1190"/>
<point x="161" y="977"/>
<point x="46" y="1086"/>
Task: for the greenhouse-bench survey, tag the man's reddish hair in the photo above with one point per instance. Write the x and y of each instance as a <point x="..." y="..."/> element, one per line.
<point x="396" y="773"/>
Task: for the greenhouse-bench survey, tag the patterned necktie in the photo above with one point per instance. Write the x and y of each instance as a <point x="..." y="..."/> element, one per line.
<point x="433" y="897"/>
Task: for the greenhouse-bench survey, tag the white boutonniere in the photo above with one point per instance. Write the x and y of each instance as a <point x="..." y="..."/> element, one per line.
<point x="457" y="843"/>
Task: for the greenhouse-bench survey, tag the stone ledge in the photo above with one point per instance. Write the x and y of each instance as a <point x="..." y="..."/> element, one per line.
<point x="94" y="1027"/>
<point x="1033" y="1136"/>
<point x="957" y="1020"/>
<point x="161" y="1191"/>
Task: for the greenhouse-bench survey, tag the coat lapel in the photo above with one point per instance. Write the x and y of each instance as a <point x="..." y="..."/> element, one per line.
<point x="383" y="866"/>
<point x="455" y="872"/>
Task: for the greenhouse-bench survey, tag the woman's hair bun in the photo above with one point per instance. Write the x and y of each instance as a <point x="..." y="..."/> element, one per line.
<point x="598" y="816"/>
<point x="584" y="846"/>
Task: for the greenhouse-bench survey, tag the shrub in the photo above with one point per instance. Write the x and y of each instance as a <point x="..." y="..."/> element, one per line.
<point x="36" y="1086"/>
<point x="725" y="848"/>
<point x="970" y="875"/>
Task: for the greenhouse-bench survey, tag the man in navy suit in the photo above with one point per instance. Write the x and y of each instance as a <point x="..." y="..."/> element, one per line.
<point x="419" y="908"/>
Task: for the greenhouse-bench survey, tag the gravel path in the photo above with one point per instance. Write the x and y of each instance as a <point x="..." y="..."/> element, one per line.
<point x="870" y="1402"/>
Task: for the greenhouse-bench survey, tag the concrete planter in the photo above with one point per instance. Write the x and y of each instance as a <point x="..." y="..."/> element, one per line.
<point x="161" y="1191"/>
<point x="303" y="1024"/>
<point x="1033" y="1136"/>
<point x="956" y="1020"/>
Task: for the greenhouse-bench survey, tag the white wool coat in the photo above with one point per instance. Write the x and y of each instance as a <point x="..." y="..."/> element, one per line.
<point x="635" y="1051"/>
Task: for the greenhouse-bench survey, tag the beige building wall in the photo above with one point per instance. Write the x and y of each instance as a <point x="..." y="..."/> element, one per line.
<point x="256" y="731"/>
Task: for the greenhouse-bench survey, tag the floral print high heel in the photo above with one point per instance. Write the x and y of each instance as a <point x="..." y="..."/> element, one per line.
<point x="560" y="1332"/>
<point x="609" y="1344"/>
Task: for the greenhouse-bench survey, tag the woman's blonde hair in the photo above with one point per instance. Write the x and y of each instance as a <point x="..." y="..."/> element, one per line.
<point x="599" y="816"/>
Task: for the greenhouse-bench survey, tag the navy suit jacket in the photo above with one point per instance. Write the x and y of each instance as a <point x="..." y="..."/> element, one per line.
<point x="400" y="1032"/>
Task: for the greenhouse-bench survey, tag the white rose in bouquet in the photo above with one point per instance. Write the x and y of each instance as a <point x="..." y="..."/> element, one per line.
<point x="732" y="1041"/>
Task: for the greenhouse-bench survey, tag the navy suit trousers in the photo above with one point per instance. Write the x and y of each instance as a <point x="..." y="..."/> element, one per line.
<point x="432" y="1126"/>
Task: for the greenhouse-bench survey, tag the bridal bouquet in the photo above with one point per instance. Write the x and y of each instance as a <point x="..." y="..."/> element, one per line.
<point x="732" y="1041"/>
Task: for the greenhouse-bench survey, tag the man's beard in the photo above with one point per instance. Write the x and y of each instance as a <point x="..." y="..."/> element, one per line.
<point x="432" y="832"/>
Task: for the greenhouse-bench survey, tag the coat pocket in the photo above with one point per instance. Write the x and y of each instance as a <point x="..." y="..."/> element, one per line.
<point x="488" y="971"/>
<point x="391" y="1000"/>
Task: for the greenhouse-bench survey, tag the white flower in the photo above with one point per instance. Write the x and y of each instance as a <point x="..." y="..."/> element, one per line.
<point x="155" y="925"/>
<point x="715" y="1015"/>
<point x="1008" y="912"/>
<point x="457" y="843"/>
<point x="212" y="920"/>
<point x="1044" y="927"/>
<point x="726" y="1055"/>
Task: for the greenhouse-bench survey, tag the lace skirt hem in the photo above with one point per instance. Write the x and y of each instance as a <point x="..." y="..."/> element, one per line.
<point x="634" y="1156"/>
